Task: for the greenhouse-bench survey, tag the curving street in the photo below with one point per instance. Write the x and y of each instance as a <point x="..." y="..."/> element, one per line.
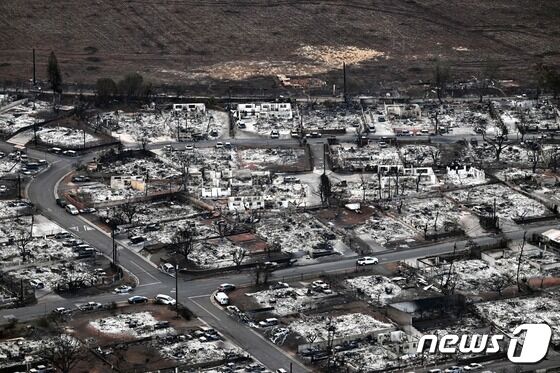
<point x="193" y="293"/>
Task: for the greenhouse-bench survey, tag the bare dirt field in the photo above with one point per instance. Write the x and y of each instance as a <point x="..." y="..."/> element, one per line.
<point x="212" y="42"/>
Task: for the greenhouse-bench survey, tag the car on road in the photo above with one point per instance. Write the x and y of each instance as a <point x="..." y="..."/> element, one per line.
<point x="88" y="210"/>
<point x="472" y="366"/>
<point x="219" y="145"/>
<point x="221" y="298"/>
<point x="281" y="370"/>
<point x="137" y="299"/>
<point x="2" y="154"/>
<point x="164" y="299"/>
<point x="61" y="202"/>
<point x="314" y="135"/>
<point x="61" y="311"/>
<point x="367" y="260"/>
<point x="3" y="189"/>
<point x="123" y="289"/>
<point x="90" y="306"/>
<point x="382" y="144"/>
<point x="189" y="148"/>
<point x="274" y="134"/>
<point x="226" y="287"/>
<point x="295" y="134"/>
<point x="69" y="153"/>
<point x="72" y="210"/>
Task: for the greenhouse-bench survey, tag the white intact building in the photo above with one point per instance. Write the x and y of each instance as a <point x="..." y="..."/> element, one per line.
<point x="191" y="107"/>
<point x="282" y="110"/>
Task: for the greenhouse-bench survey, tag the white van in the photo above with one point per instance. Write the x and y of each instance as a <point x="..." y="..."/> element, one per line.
<point x="72" y="210"/>
<point x="222" y="298"/>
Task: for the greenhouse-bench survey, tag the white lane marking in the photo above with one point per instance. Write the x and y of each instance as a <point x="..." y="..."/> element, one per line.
<point x="77" y="229"/>
<point x="280" y="350"/>
<point x="151" y="283"/>
<point x="200" y="296"/>
<point x="88" y="228"/>
<point x="205" y="309"/>
<point x="143" y="270"/>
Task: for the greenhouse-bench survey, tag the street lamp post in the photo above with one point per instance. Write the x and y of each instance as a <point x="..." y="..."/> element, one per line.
<point x="177" y="289"/>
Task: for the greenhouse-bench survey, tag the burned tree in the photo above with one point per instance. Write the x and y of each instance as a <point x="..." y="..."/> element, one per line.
<point x="63" y="352"/>
<point x="22" y="238"/>
<point x="498" y="142"/>
<point x="183" y="241"/>
<point x="129" y="210"/>
<point x="440" y="79"/>
<point x="325" y="191"/>
<point x="238" y="256"/>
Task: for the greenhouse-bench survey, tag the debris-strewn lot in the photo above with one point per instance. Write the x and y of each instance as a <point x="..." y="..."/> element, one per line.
<point x="509" y="204"/>
<point x="299" y="233"/>
<point x="22" y="115"/>
<point x="385" y="230"/>
<point x="65" y="137"/>
<point x="353" y="324"/>
<point x="510" y="313"/>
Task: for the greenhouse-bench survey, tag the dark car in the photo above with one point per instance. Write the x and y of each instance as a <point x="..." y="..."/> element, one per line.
<point x="137" y="299"/>
<point x="61" y="202"/>
<point x="226" y="287"/>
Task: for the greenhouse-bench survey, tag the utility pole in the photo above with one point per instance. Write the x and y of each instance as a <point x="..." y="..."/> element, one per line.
<point x="177" y="289"/>
<point x="34" y="76"/>
<point x="19" y="185"/>
<point x="344" y="82"/>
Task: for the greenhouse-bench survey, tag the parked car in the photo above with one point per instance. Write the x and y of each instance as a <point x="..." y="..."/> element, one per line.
<point x="3" y="189"/>
<point x="314" y="135"/>
<point x="268" y="322"/>
<point x="189" y="148"/>
<point x="222" y="298"/>
<point x="274" y="134"/>
<point x="61" y="202"/>
<point x="88" y="210"/>
<point x="137" y="299"/>
<point x="71" y="209"/>
<point x="123" y="289"/>
<point x="69" y="153"/>
<point x="164" y="299"/>
<point x="219" y="145"/>
<point x="80" y="179"/>
<point x="367" y="260"/>
<point x="62" y="235"/>
<point x="320" y="284"/>
<point x="37" y="284"/>
<point x="226" y="287"/>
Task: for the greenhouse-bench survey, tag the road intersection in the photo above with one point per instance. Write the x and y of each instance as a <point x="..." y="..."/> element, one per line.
<point x="195" y="293"/>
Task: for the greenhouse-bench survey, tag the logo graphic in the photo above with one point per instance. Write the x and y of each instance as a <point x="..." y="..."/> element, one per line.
<point x="529" y="343"/>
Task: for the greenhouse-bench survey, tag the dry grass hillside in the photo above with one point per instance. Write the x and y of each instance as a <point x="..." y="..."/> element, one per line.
<point x="205" y="41"/>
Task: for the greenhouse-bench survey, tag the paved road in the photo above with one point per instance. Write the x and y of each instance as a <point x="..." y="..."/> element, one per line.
<point x="193" y="293"/>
